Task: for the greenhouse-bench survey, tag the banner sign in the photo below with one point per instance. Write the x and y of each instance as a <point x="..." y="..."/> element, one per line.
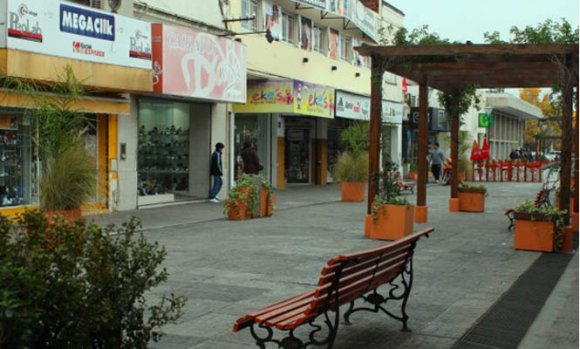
<point x="289" y="97"/>
<point x="199" y="65"/>
<point x="352" y="106"/>
<point x="312" y="99"/>
<point x="67" y="30"/>
<point x="358" y="107"/>
<point x="485" y="120"/>
<point x="392" y="112"/>
<point x="272" y="96"/>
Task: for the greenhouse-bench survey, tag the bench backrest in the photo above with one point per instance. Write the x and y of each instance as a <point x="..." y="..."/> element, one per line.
<point x="350" y="276"/>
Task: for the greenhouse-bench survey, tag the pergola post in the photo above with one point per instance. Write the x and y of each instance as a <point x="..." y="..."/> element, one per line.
<point x="576" y="159"/>
<point x="567" y="130"/>
<point x="375" y="128"/>
<point x="454" y="200"/>
<point x="421" y="207"/>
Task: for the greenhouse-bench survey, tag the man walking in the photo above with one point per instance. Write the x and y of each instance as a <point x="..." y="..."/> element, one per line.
<point x="437" y="159"/>
<point x="216" y="171"/>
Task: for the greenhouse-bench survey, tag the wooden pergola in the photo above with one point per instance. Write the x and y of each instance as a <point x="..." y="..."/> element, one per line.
<point x="451" y="68"/>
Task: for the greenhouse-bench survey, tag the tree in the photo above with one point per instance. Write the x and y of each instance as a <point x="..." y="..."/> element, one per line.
<point x="547" y="32"/>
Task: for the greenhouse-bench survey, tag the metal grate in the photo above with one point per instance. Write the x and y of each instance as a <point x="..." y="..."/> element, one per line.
<point x="506" y="323"/>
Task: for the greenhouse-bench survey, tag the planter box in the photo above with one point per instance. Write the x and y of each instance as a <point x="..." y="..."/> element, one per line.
<point x="352" y="191"/>
<point x="534" y="232"/>
<point x="412" y="175"/>
<point x="266" y="206"/>
<point x="393" y="222"/>
<point x="238" y="212"/>
<point x="471" y="200"/>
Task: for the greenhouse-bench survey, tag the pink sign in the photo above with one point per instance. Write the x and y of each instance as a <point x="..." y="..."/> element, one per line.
<point x="191" y="64"/>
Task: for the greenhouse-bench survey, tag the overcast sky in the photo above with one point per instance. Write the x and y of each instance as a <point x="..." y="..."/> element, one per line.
<point x="461" y="20"/>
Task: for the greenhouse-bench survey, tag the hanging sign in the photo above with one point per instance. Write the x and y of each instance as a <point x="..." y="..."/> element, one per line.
<point x="485" y="120"/>
<point x="198" y="65"/>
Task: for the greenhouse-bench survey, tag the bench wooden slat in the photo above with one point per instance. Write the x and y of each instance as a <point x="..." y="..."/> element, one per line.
<point x="361" y="272"/>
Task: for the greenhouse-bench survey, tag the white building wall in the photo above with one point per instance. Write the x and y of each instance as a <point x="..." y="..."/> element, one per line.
<point x="127" y="168"/>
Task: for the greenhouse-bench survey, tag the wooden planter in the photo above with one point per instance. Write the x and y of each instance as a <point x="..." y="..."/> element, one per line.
<point x="471" y="200"/>
<point x="392" y="223"/>
<point x="237" y="212"/>
<point x="68" y="215"/>
<point x="352" y="191"/>
<point x="534" y="232"/>
<point x="266" y="206"/>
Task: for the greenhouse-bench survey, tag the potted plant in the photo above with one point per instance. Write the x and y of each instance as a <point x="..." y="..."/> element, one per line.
<point x="241" y="199"/>
<point x="412" y="171"/>
<point x="68" y="169"/>
<point x="472" y="198"/>
<point x="392" y="216"/>
<point x="267" y="198"/>
<point x="351" y="170"/>
<point x="537" y="228"/>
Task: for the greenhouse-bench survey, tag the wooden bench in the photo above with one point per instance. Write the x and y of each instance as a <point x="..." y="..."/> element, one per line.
<point x="542" y="199"/>
<point x="343" y="280"/>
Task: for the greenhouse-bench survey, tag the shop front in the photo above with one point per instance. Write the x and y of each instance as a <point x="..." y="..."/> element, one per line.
<point x="437" y="123"/>
<point x="39" y="42"/>
<point x="196" y="75"/>
<point x="351" y="109"/>
<point x="287" y="120"/>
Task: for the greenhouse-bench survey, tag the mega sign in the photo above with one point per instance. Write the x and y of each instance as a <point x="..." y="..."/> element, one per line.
<point x="67" y="30"/>
<point x="191" y="64"/>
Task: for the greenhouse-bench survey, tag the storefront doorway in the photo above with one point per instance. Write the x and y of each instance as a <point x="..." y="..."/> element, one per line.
<point x="298" y="149"/>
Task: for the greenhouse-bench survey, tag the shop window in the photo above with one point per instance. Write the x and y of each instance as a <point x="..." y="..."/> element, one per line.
<point x="319" y="39"/>
<point x="163" y="160"/>
<point x="288" y="24"/>
<point x="253" y="128"/>
<point x="249" y="9"/>
<point x="18" y="165"/>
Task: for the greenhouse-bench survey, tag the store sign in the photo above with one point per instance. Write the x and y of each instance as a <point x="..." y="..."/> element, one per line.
<point x="485" y="120"/>
<point x="392" y="112"/>
<point x="272" y="96"/>
<point x="364" y="18"/>
<point x="67" y="30"/>
<point x="358" y="107"/>
<point x="312" y="99"/>
<point x="436" y="119"/>
<point x="290" y="97"/>
<point x="199" y="65"/>
<point x="352" y="106"/>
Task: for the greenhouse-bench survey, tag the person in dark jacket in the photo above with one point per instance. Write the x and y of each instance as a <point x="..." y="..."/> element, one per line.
<point x="251" y="160"/>
<point x="216" y="171"/>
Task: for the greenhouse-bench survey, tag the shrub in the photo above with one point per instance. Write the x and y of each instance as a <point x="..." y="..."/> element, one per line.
<point x="351" y="167"/>
<point x="77" y="285"/>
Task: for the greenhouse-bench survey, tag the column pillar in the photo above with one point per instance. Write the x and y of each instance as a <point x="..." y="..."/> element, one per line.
<point x="375" y="128"/>
<point x="421" y="214"/>
<point x="566" y="153"/>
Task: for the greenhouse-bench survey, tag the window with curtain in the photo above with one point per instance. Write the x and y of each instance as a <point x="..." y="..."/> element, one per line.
<point x="319" y="39"/>
<point x="345" y="48"/>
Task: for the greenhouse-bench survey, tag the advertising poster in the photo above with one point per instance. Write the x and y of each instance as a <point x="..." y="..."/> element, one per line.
<point x="272" y="96"/>
<point x="66" y="30"/>
<point x="305" y="33"/>
<point x="333" y="43"/>
<point x="315" y="100"/>
<point x="352" y="106"/>
<point x="272" y="20"/>
<point x="194" y="64"/>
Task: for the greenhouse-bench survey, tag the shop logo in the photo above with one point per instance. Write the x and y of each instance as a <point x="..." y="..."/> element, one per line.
<point x="21" y="27"/>
<point x="80" y="21"/>
<point x="86" y="49"/>
<point x="140" y="46"/>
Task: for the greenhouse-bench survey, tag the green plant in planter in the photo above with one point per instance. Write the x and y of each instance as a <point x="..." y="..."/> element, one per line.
<point x="351" y="167"/>
<point x="388" y="190"/>
<point x="265" y="184"/>
<point x="413" y="167"/>
<point x="236" y="195"/>
<point x="77" y="285"/>
<point x="556" y="216"/>
<point x="478" y="187"/>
